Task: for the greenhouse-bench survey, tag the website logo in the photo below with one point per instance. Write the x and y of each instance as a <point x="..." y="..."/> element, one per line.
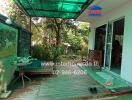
<point x="94" y="11"/>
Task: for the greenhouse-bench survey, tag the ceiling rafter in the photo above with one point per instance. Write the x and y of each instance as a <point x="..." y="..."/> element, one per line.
<point x="51" y="10"/>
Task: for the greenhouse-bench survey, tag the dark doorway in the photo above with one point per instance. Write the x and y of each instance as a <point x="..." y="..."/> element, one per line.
<point x="118" y="32"/>
<point x="100" y="34"/>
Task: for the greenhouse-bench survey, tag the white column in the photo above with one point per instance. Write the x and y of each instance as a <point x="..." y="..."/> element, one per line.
<point x="91" y="39"/>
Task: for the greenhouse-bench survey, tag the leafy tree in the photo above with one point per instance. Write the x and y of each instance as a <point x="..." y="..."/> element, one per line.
<point x="17" y="14"/>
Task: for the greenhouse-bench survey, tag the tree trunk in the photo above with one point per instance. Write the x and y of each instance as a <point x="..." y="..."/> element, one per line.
<point x="58" y="25"/>
<point x="58" y="40"/>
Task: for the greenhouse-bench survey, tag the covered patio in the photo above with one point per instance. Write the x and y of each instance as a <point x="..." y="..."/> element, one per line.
<point x="58" y="83"/>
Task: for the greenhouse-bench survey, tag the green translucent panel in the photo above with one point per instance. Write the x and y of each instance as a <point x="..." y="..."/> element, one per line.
<point x="8" y="41"/>
<point x="58" y="7"/>
<point x="65" y="7"/>
<point x="53" y="8"/>
<point x="8" y="53"/>
<point x="71" y="7"/>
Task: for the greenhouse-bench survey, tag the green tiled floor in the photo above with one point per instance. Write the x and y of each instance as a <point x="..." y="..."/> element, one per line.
<point x="124" y="97"/>
<point x="104" y="76"/>
<point x="60" y="87"/>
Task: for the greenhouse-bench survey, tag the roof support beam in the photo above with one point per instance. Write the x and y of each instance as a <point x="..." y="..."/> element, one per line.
<point x="85" y="7"/>
<point x="73" y="2"/>
<point x="19" y="4"/>
<point x="52" y="17"/>
<point x="51" y="10"/>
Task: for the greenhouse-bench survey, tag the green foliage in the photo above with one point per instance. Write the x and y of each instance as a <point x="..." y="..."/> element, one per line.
<point x="84" y="52"/>
<point x="76" y="34"/>
<point x="57" y="51"/>
<point x="8" y="36"/>
<point x="47" y="53"/>
<point x="75" y="42"/>
<point x="17" y="15"/>
<point x="68" y="57"/>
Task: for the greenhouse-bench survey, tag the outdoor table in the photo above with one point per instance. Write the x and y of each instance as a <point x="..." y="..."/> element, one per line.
<point x="21" y="72"/>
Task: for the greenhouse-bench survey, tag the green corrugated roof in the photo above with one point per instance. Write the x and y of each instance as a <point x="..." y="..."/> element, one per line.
<point x="67" y="9"/>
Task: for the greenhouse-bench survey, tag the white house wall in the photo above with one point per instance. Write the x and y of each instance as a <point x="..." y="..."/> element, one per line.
<point x="122" y="10"/>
